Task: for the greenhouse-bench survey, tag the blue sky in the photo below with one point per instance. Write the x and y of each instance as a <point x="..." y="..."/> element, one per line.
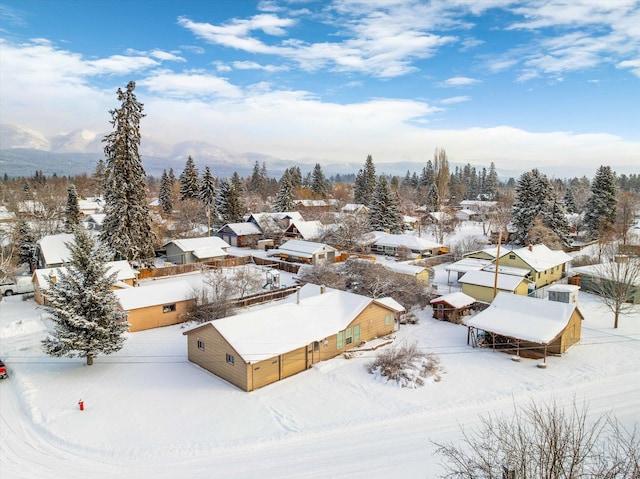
<point x="540" y="83"/>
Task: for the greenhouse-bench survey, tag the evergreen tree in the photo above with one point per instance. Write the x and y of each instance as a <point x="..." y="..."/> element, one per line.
<point x="230" y="203"/>
<point x="127" y="224"/>
<point x="72" y="215"/>
<point x="569" y="201"/>
<point x="87" y="319"/>
<point x="208" y="188"/>
<point x="98" y="178"/>
<point x="555" y="219"/>
<point x="433" y="199"/>
<point x="490" y="184"/>
<point x="533" y="197"/>
<point x="365" y="184"/>
<point x="296" y="177"/>
<point x="441" y="174"/>
<point x="319" y="184"/>
<point x="600" y="209"/>
<point x="384" y="213"/>
<point x="189" y="181"/>
<point x="285" y="196"/>
<point x="166" y="196"/>
<point x="27" y="242"/>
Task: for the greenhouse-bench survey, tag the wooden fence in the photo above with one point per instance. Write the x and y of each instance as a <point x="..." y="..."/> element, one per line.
<point x="264" y="297"/>
<point x="274" y="263"/>
<point x="163" y="271"/>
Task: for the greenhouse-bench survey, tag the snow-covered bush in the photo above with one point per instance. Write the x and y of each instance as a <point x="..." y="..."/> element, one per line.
<point x="405" y="366"/>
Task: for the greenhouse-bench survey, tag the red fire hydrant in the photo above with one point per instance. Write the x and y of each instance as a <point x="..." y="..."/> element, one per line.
<point x="81" y="404"/>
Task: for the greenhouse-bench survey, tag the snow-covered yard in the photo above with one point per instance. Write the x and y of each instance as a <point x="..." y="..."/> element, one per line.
<point x="151" y="413"/>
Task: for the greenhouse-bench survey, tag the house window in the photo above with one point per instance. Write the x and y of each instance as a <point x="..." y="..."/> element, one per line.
<point x="230" y="359"/>
<point x="388" y="319"/>
<point x="512" y="256"/>
<point x="340" y="340"/>
<point x="356" y="333"/>
<point x="200" y="345"/>
<point x="169" y="308"/>
<point x="316" y="345"/>
<point x="348" y="335"/>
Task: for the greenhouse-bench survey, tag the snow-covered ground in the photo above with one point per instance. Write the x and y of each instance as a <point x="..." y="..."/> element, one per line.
<point x="152" y="414"/>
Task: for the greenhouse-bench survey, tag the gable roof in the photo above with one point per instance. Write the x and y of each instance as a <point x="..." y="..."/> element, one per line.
<point x="194" y="244"/>
<point x="522" y="317"/>
<point x="267" y="332"/>
<point x="540" y="257"/>
<point x="403" y="268"/>
<point x="304" y="249"/>
<point x="467" y="264"/>
<point x="412" y="242"/>
<point x="307" y="229"/>
<point x="97" y="218"/>
<point x="242" y="229"/>
<point x="262" y="219"/>
<point x="154" y="294"/>
<point x="457" y="300"/>
<point x="54" y="249"/>
<point x="122" y="269"/>
<point x="506" y="282"/>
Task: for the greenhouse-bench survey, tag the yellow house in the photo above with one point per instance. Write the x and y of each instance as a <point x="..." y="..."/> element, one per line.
<point x="480" y="285"/>
<point x="530" y="323"/>
<point x="125" y="277"/>
<point x="257" y="348"/>
<point x="545" y="265"/>
<point x="156" y="304"/>
<point x="485" y="254"/>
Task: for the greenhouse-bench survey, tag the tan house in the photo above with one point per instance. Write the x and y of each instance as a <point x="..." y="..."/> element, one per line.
<point x="263" y="346"/>
<point x="480" y="285"/>
<point x="305" y="252"/>
<point x="195" y="250"/>
<point x="125" y="277"/>
<point x="530" y="324"/>
<point x="156" y="304"/>
<point x="545" y="265"/>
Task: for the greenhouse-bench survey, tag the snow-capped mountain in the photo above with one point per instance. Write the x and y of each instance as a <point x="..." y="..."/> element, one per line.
<point x="78" y="141"/>
<point x="14" y="136"/>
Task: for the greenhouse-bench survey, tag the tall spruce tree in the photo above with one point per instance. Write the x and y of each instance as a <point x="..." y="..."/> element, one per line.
<point x="285" y="196"/>
<point x="569" y="201"/>
<point x="98" y="178"/>
<point x="230" y="203"/>
<point x="166" y="195"/>
<point x="533" y="197"/>
<point x="72" y="215"/>
<point x="490" y="185"/>
<point x="87" y="319"/>
<point x="189" y="181"/>
<point x="27" y="243"/>
<point x="319" y="184"/>
<point x="207" y="192"/>
<point x="600" y="209"/>
<point x="127" y="225"/>
<point x="555" y="219"/>
<point x="384" y="212"/>
<point x="365" y="184"/>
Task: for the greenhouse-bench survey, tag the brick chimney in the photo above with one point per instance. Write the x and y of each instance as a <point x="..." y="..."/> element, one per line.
<point x="530" y="247"/>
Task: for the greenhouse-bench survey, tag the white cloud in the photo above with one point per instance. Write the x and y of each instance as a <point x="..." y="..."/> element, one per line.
<point x="459" y="82"/>
<point x="455" y="99"/>
<point x="634" y="65"/>
<point x="189" y="84"/>
<point x="249" y="65"/>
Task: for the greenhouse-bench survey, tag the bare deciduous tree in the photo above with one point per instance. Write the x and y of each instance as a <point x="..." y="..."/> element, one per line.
<point x="617" y="284"/>
<point x="543" y="442"/>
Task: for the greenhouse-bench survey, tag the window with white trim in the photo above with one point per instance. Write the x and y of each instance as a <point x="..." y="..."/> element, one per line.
<point x="200" y="345"/>
<point x="230" y="359"/>
<point x="169" y="308"/>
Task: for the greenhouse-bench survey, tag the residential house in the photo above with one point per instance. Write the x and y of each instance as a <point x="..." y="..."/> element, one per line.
<point x="196" y="250"/>
<point x="487" y="253"/>
<point x="480" y="285"/>
<point x="241" y="235"/>
<point x="94" y="221"/>
<point x="52" y="250"/>
<point x="305" y="230"/>
<point x="125" y="278"/>
<point x="529" y="324"/>
<point x="157" y="303"/>
<point x="599" y="278"/>
<point x="273" y="225"/>
<point x="452" y="307"/>
<point x="305" y="252"/>
<point x="545" y="266"/>
<point x="316" y="205"/>
<point x="300" y="332"/>
<point x="411" y="222"/>
<point x="90" y="206"/>
<point x="388" y="244"/>
<point x="357" y="209"/>
<point x="465" y="265"/>
<point x="466" y="214"/>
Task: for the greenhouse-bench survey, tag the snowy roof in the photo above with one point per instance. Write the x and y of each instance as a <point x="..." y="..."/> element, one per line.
<point x="193" y="244"/>
<point x="308" y="229"/>
<point x="522" y="317"/>
<point x="304" y="249"/>
<point x="605" y="271"/>
<point x="54" y="248"/>
<point x="468" y="264"/>
<point x="122" y="269"/>
<point x="440" y="215"/>
<point x="567" y="288"/>
<point x="512" y="270"/>
<point x="90" y="205"/>
<point x="493" y="252"/>
<point x="506" y="282"/>
<point x="404" y="268"/>
<point x="409" y="219"/>
<point x="209" y="252"/>
<point x="412" y="242"/>
<point x="262" y="218"/>
<point x="478" y="204"/>
<point x="391" y="303"/>
<point x="289" y="325"/>
<point x="154" y="293"/>
<point x="354" y="208"/>
<point x="6" y="215"/>
<point x="243" y="229"/>
<point x="457" y="300"/>
<point x="316" y="203"/>
<point x="541" y="258"/>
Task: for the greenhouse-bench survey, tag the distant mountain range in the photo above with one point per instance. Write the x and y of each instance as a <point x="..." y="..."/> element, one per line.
<point x="24" y="151"/>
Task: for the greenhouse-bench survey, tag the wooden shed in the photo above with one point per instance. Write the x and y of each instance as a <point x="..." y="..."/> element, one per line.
<point x="452" y="307"/>
<point x="257" y="348"/>
<point x="195" y="250"/>
<point x="524" y="325"/>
